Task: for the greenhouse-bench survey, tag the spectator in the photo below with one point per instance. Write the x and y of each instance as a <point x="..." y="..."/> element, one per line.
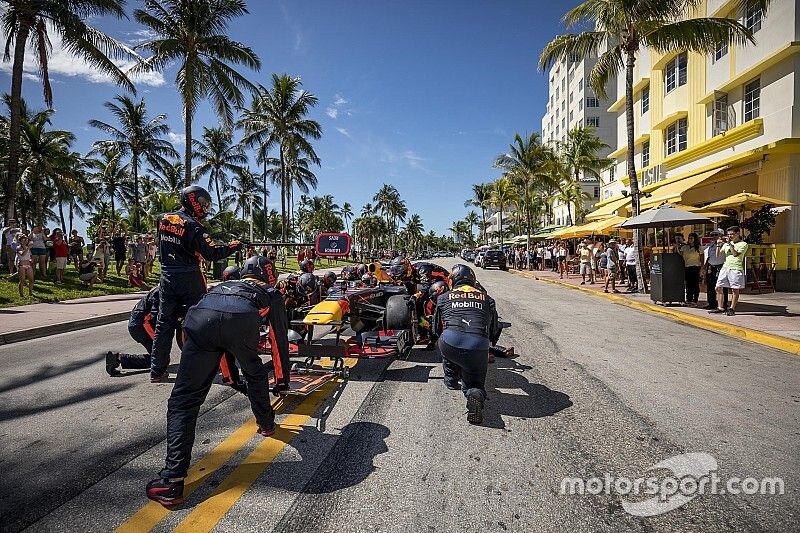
<point x="630" y="265"/>
<point x="39" y="250"/>
<point x="301" y="255"/>
<point x="554" y="257"/>
<point x="692" y="261"/>
<point x="621" y="270"/>
<point x="584" y="256"/>
<point x="600" y="260"/>
<point x="48" y="242"/>
<point x="76" y="244"/>
<point x="61" y="251"/>
<point x="99" y="257"/>
<point x="612" y="265"/>
<point x="562" y="258"/>
<point x="118" y="243"/>
<point x="24" y="260"/>
<point x="134" y="273"/>
<point x="139" y="252"/>
<point x="713" y="264"/>
<point x="731" y="274"/>
<point x="237" y="258"/>
<point x="152" y="248"/>
<point x="9" y="237"/>
<point x="87" y="272"/>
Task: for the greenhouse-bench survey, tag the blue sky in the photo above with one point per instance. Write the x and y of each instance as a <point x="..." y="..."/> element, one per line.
<point x="420" y="94"/>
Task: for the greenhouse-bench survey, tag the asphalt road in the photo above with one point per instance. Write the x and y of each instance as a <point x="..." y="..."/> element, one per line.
<point x="598" y="388"/>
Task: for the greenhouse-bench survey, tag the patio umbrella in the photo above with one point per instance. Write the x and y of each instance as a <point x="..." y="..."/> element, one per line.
<point x="745" y="201"/>
<point x="664" y="216"/>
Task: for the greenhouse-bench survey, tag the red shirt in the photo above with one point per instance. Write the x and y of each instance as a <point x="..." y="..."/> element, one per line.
<point x="61" y="248"/>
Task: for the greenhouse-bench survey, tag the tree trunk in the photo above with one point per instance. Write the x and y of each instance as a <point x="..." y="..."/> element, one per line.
<point x="215" y="175"/>
<point x="71" y="213"/>
<point x="629" y="124"/>
<point x="21" y="39"/>
<point x="137" y="212"/>
<point x="39" y="214"/>
<point x="484" y="237"/>
<point x="283" y="197"/>
<point x="264" y="207"/>
<point x="187" y="157"/>
<point x="61" y="215"/>
<point x="113" y="210"/>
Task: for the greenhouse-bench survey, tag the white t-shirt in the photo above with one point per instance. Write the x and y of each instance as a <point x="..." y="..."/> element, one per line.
<point x="630" y="255"/>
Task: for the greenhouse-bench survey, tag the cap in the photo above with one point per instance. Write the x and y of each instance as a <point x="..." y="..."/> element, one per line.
<point x="715" y="232"/>
<point x="612" y="241"/>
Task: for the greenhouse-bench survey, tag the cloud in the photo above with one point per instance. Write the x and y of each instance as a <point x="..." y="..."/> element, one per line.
<point x="177" y="138"/>
<point x="332" y="112"/>
<point x="64" y="63"/>
<point x="139" y="36"/>
<point x="340" y="100"/>
<point x="344" y="132"/>
<point x="415" y="161"/>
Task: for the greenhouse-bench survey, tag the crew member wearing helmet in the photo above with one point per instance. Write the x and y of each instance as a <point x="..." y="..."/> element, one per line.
<point x="306" y="266"/>
<point x="308" y="289"/>
<point x="231" y="273"/>
<point x="182" y="241"/>
<point x="141" y="327"/>
<point x="402" y="272"/>
<point x="226" y="320"/>
<point x="328" y="281"/>
<point x="465" y="320"/>
<point x="354" y="272"/>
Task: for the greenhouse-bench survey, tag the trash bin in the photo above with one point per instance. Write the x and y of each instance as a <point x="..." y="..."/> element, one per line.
<point x="667" y="278"/>
<point x="218" y="268"/>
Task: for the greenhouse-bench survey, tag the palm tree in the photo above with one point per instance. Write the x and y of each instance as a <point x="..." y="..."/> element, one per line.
<point x="277" y="118"/>
<point x="111" y="176"/>
<point x="472" y="220"/>
<point x="299" y="174"/>
<point x="138" y="137"/>
<point x="218" y="156"/>
<point x="27" y="25"/>
<point x="246" y="192"/>
<point x="481" y="195"/>
<point x="525" y="166"/>
<point x="169" y="178"/>
<point x="503" y="195"/>
<point x="579" y="154"/>
<point x="414" y="230"/>
<point x="192" y="35"/>
<point x="347" y="214"/>
<point x="367" y="210"/>
<point x="621" y="29"/>
<point x="46" y="154"/>
<point x="73" y="181"/>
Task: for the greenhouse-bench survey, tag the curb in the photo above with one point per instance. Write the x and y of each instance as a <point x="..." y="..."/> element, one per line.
<point x="739" y="332"/>
<point x="62" y="327"/>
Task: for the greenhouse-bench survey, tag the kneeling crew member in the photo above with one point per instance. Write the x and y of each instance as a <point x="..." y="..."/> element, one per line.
<point x="182" y="239"/>
<point x="226" y="320"/>
<point x="465" y="319"/>
<point x="141" y="327"/>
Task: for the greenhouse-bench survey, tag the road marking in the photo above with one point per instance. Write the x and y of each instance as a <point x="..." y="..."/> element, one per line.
<point x="207" y="514"/>
<point x="738" y="332"/>
<point x="152" y="513"/>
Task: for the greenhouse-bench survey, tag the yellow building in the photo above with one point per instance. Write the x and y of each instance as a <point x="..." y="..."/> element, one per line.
<point x="708" y="127"/>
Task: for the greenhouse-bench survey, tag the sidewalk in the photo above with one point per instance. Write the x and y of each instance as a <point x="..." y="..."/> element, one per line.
<point x="758" y="316"/>
<point x="40" y="320"/>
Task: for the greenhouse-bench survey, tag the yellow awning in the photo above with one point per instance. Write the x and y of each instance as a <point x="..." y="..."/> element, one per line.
<point x="610" y="209"/>
<point x="673" y="192"/>
<point x="608" y="225"/>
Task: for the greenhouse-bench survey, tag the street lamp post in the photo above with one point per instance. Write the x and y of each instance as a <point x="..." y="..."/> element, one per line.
<point x="251" y="218"/>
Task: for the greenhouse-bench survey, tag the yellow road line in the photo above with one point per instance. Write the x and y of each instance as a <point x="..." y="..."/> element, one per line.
<point x="152" y="513"/>
<point x="739" y="332"/>
<point x="207" y="514"/>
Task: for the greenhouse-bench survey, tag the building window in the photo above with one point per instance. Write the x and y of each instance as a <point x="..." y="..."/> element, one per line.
<point x="574" y="58"/>
<point x="580" y="84"/>
<point x="571" y="116"/>
<point x="721" y="115"/>
<point x="564" y="123"/>
<point x="645" y="154"/>
<point x="720" y="52"/>
<point x="571" y="97"/>
<point x="597" y="192"/>
<point x="676" y="137"/>
<point x="557" y="130"/>
<point x="593" y="122"/>
<point x="645" y="100"/>
<point x="563" y="106"/>
<point x="752" y="100"/>
<point x="612" y="173"/>
<point x="580" y="104"/>
<point x="752" y="19"/>
<point x="557" y="93"/>
<point x="557" y="113"/>
<point x="675" y="72"/>
<point x="591" y="101"/>
<point x="580" y="123"/>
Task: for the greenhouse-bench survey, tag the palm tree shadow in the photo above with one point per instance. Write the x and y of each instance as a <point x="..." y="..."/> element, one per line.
<point x="509" y="393"/>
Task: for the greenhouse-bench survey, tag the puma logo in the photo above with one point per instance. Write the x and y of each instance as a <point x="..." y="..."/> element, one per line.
<point x="226" y="288"/>
<point x="467" y="322"/>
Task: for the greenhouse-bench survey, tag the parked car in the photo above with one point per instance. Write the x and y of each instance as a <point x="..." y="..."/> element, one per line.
<point x="494" y="258"/>
<point x="479" y="258"/>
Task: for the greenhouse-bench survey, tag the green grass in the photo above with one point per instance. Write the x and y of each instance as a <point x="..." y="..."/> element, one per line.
<point x="72" y="288"/>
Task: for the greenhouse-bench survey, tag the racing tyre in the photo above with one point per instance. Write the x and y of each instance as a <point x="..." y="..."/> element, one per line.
<point x="398" y="313"/>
